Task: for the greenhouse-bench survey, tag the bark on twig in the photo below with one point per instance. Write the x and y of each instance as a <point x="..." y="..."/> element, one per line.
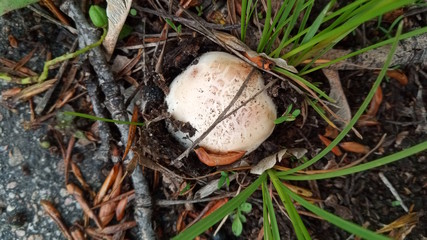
<point x="114" y="102"/>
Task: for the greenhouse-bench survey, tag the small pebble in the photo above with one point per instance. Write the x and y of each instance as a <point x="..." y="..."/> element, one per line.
<point x="20" y="233"/>
<point x="11" y="185"/>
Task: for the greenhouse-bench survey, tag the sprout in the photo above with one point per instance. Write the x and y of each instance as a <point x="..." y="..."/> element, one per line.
<point x="204" y="90"/>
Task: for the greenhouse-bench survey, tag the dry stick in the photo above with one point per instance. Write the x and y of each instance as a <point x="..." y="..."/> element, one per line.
<point x="115" y="105"/>
<point x="104" y="129"/>
<point x="67" y="158"/>
<point x="217" y="120"/>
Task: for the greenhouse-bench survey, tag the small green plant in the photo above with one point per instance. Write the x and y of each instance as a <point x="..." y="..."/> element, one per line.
<point x="224" y="179"/>
<point x="288" y="116"/>
<point x="98" y="16"/>
<point x="173" y="26"/>
<point x="199" y="10"/>
<point x="239" y="218"/>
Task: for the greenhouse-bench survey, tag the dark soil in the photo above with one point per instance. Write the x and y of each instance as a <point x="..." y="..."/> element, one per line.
<point x="361" y="198"/>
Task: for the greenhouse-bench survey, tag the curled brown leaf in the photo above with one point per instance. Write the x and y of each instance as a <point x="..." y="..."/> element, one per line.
<point x="218" y="159"/>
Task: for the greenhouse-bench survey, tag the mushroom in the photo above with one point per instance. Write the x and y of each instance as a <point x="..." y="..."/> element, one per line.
<point x="200" y="93"/>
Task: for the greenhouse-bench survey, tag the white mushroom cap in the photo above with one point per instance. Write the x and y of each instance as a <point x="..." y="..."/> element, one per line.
<point x="204" y="90"/>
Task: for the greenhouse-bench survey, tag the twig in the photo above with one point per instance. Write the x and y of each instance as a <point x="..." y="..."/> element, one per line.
<point x="115" y="104"/>
<point x="393" y="191"/>
<point x="104" y="129"/>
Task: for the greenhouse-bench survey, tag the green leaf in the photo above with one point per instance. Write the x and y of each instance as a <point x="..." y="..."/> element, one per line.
<point x="126" y="31"/>
<point x="221" y="182"/>
<point x="133" y="12"/>
<point x="9" y="5"/>
<point x="98" y="16"/>
<point x="242" y="218"/>
<point x="246" y="207"/>
<point x="237" y="227"/>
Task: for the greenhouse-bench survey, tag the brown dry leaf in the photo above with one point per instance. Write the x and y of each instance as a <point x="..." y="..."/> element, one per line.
<point x="56" y="217"/>
<point x="77" y="234"/>
<point x="299" y="190"/>
<point x="132" y="131"/>
<point x="33" y="90"/>
<point x="10" y="92"/>
<point x="367" y="121"/>
<point x="53" y="9"/>
<point x="107" y="183"/>
<point x="107" y="211"/>
<point x="331" y="132"/>
<point x="354" y="147"/>
<point x="399" y="75"/>
<point x="218" y="159"/>
<point x="117" y="12"/>
<point x="120" y="209"/>
<point x="336" y="150"/>
<point x="390" y="17"/>
<point x="405" y="220"/>
<point x="118" y="227"/>
<point x="12" y="41"/>
<point x="342" y="109"/>
<point x="78" y="195"/>
<point x="216" y="205"/>
<point x="22" y="71"/>
<point x="375" y="102"/>
<point x="78" y="174"/>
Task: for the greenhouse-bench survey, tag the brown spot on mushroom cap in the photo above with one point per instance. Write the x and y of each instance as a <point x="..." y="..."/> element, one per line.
<point x="203" y="90"/>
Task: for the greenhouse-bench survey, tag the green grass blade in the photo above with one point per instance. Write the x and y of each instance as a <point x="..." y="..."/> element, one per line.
<point x="377" y="45"/>
<point x="300" y="79"/>
<point x="320" y="112"/>
<point x="356" y="116"/>
<point x="316" y="24"/>
<point x="95" y="118"/>
<point x="299" y="227"/>
<point x="272" y="216"/>
<point x="268" y="235"/>
<point x="266" y="29"/>
<point x="299" y="7"/>
<point x="216" y="216"/>
<point x="243" y="20"/>
<point x="375" y="9"/>
<point x="362" y="167"/>
<point x="339" y="222"/>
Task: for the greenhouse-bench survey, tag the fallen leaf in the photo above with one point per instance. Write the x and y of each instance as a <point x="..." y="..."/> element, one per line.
<point x="12" y="41"/>
<point x="120" y="209"/>
<point x="218" y="159"/>
<point x="268" y="162"/>
<point x="56" y="217"/>
<point x="216" y="205"/>
<point x="336" y="150"/>
<point x="341" y="107"/>
<point x="399" y="75"/>
<point x="375" y="102"/>
<point x="354" y="147"/>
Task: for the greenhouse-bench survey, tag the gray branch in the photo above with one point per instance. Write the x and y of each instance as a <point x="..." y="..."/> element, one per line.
<point x="114" y="103"/>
